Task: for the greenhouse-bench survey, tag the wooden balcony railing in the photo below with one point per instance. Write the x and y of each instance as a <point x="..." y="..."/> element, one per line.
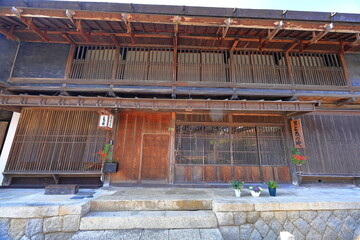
<point x="209" y="66"/>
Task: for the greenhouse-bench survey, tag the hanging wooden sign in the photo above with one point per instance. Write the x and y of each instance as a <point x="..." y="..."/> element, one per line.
<point x="297" y="133"/>
<point x="106" y="119"/>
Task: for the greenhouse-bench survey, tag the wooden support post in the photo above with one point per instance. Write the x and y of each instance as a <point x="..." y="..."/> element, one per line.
<point x="116" y="62"/>
<point x="172" y="130"/>
<point x="289" y="68"/>
<point x="69" y="61"/>
<point x="232" y="67"/>
<point x="345" y="69"/>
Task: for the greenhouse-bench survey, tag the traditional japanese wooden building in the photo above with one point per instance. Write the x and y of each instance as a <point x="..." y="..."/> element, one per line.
<point x="199" y="95"/>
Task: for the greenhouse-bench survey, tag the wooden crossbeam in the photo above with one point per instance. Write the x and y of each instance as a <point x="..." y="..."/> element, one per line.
<point x="8" y="33"/>
<point x="344" y="101"/>
<point x="65" y="35"/>
<point x="236" y="42"/>
<point x="146" y="103"/>
<point x="113" y="38"/>
<point x="317" y="37"/>
<point x="29" y="22"/>
<point x="292" y="46"/>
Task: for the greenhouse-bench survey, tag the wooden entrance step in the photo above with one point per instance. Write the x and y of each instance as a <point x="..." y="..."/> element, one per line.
<point x="148" y="220"/>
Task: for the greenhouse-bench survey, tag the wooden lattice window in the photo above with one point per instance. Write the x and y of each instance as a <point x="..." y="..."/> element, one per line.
<point x="235" y="145"/>
<point x="51" y="141"/>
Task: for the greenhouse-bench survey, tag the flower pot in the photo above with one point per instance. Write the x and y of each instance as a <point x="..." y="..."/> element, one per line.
<point x="298" y="169"/>
<point x="255" y="194"/>
<point x="110" y="167"/>
<point x="237" y="192"/>
<point x="272" y="191"/>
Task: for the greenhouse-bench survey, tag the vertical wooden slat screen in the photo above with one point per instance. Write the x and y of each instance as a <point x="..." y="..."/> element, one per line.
<point x="317" y="69"/>
<point x="52" y="141"/>
<point x="260" y="67"/>
<point x="93" y="62"/>
<point x="332" y="144"/>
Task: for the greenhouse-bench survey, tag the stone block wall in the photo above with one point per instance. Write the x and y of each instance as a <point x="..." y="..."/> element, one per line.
<point x="42" y="222"/>
<point x="247" y="223"/>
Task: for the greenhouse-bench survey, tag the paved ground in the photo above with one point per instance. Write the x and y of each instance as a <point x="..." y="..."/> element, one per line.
<point x="285" y="193"/>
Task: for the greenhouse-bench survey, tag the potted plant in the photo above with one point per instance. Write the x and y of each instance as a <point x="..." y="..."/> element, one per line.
<point x="298" y="159"/>
<point x="109" y="165"/>
<point x="237" y="185"/>
<point x="272" y="185"/>
<point x="255" y="191"/>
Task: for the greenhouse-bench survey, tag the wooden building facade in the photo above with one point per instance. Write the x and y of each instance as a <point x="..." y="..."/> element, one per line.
<point x="198" y="95"/>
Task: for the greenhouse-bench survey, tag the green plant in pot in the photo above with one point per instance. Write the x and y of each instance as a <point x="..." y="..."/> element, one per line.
<point x="272" y="186"/>
<point x="237" y="185"/>
<point x="109" y="165"/>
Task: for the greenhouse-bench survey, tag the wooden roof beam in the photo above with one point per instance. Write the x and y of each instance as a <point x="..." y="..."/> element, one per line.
<point x="271" y="34"/>
<point x="29" y="23"/>
<point x="356" y="42"/>
<point x="77" y="23"/>
<point x="9" y="33"/>
<point x="80" y="28"/>
<point x="226" y="28"/>
<point x="296" y="25"/>
<point x="317" y="37"/>
<point x="129" y="30"/>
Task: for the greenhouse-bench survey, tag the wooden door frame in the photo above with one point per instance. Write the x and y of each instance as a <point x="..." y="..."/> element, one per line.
<point x="141" y="158"/>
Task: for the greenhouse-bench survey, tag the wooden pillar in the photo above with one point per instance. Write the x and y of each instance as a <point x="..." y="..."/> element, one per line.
<point x="172" y="130"/>
<point x="345" y="69"/>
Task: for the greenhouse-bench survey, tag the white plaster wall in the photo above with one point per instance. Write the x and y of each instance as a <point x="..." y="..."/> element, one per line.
<point x="8" y="142"/>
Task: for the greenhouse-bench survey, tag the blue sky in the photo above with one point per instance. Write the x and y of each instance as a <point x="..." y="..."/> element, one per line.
<point x="344" y="6"/>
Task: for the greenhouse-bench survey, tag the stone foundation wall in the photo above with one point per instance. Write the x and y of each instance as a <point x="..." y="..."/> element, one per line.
<point x="236" y="220"/>
<point x="41" y="223"/>
<point x="245" y="222"/>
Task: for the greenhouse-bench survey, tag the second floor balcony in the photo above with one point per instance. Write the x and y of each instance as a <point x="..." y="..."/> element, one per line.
<point x="206" y="67"/>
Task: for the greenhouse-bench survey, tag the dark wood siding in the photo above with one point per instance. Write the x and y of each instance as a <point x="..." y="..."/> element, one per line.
<point x="332" y="144"/>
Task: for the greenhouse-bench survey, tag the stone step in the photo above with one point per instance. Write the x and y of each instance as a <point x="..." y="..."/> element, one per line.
<point x="148" y="220"/>
<point x="108" y="204"/>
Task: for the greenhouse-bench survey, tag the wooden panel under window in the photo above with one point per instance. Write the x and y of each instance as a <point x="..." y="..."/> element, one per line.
<point x="218" y="173"/>
<point x="129" y="146"/>
<point x="51" y="141"/>
<point x="279" y="174"/>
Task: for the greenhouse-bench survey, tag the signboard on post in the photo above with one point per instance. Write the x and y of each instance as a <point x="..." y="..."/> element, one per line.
<point x="297" y="133"/>
<point x="106" y="119"/>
